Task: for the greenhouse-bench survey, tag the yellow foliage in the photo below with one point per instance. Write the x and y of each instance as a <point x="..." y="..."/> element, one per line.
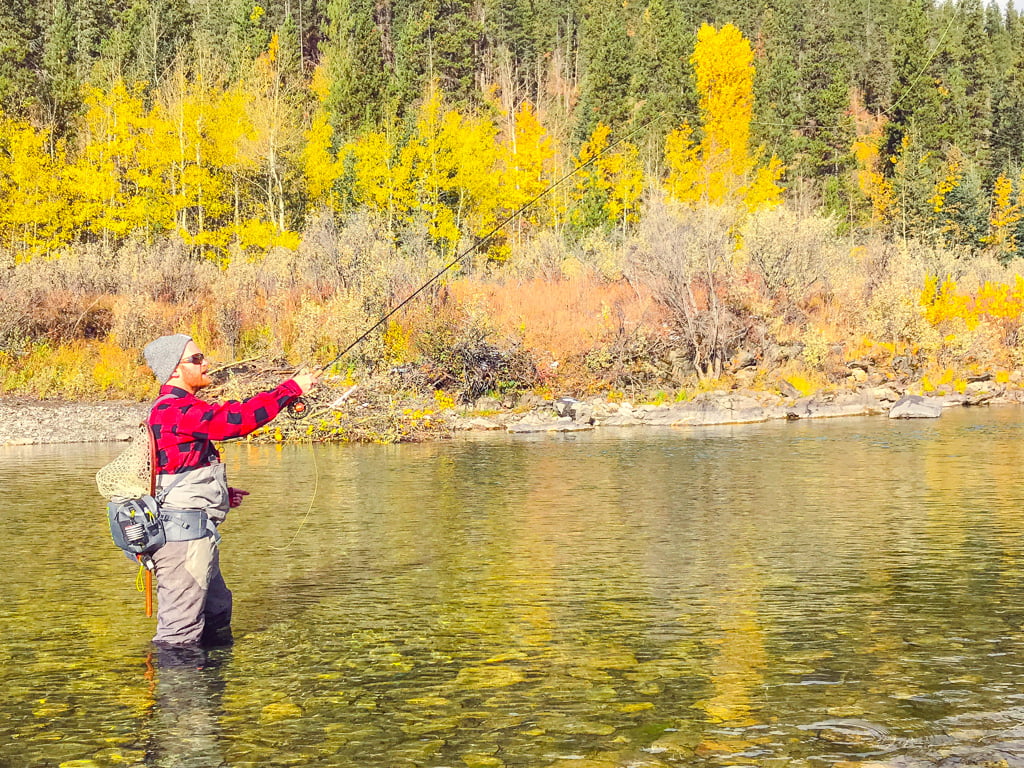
<point x="77" y="370"/>
<point x="803" y="382"/>
<point x="259" y="235"/>
<point x="682" y="156"/>
<point x="453" y="170"/>
<point x="996" y="308"/>
<point x="723" y="169"/>
<point x="443" y="400"/>
<point x="944" y="303"/>
<point x="870" y="180"/>
<point x="397" y="342"/>
<point x="122" y="175"/>
<point x="430" y="159"/>
<point x="1004" y="216"/>
<point x="528" y="166"/>
<point x="950" y="180"/>
<point x="34" y="218"/>
<point x="724" y="69"/>
<point x="381" y="182"/>
<point x="322" y="169"/>
<point x="320" y="82"/>
<point x="617" y="175"/>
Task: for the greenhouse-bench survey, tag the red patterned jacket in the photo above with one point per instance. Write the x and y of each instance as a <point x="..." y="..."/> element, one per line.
<point x="185" y="426"/>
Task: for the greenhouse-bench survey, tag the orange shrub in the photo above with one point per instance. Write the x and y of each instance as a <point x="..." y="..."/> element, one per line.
<point x="557" y="320"/>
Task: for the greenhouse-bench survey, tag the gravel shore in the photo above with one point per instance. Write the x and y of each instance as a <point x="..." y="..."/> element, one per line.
<point x="31" y="422"/>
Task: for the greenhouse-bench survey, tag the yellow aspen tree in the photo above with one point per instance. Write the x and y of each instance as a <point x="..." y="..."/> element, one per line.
<point x="1004" y="216"/>
<point x="477" y="181"/>
<point x="627" y="176"/>
<point x="224" y="135"/>
<point x="35" y="218"/>
<point x="611" y="182"/>
<point x="725" y="169"/>
<point x="945" y="210"/>
<point x="682" y="156"/>
<point x="321" y="167"/>
<point x="381" y="182"/>
<point x="211" y="172"/>
<point x="871" y="181"/>
<point x="430" y="161"/>
<point x="950" y="180"/>
<point x="529" y="162"/>
<point x="723" y="63"/>
<point x="119" y="178"/>
<point x="272" y="108"/>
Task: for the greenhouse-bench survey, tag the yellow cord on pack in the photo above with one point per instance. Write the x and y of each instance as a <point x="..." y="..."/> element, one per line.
<point x="140" y="578"/>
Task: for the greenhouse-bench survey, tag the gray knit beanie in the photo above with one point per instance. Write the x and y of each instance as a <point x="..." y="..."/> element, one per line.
<point x="164" y="354"/>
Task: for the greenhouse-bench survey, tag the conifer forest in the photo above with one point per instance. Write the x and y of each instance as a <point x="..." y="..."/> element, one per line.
<point x="716" y="192"/>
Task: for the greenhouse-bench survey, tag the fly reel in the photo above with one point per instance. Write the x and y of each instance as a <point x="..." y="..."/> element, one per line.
<point x="298" y="408"/>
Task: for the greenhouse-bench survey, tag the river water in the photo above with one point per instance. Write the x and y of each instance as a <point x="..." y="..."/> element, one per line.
<point x="792" y="594"/>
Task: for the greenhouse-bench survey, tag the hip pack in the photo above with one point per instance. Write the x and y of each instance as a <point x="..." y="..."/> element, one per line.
<point x="135" y="525"/>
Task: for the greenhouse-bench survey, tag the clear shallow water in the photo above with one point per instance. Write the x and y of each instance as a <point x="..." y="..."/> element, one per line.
<point x="805" y="594"/>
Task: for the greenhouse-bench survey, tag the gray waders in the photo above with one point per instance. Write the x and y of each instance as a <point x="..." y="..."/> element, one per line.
<point x="193" y="602"/>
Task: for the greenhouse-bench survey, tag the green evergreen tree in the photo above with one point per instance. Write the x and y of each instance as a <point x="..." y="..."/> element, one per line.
<point x="521" y="36"/>
<point x="20" y="54"/>
<point x="1007" y="141"/>
<point x="605" y="52"/>
<point x="662" y="80"/>
<point x="803" y="89"/>
<point x="61" y="93"/>
<point x="147" y="38"/>
<point x="439" y="41"/>
<point x="963" y="74"/>
<point x="916" y="105"/>
<point x="358" y="70"/>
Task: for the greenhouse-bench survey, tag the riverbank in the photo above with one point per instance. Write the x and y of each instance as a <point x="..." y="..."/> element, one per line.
<point x="25" y="421"/>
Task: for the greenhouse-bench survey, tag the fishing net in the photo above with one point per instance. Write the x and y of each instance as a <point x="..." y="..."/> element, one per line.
<point x="129" y="475"/>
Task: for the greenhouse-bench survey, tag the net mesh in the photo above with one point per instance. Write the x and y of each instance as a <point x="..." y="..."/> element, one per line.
<point x="128" y="476"/>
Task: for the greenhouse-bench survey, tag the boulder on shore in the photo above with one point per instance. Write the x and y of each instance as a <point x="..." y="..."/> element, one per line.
<point x="916" y="407"/>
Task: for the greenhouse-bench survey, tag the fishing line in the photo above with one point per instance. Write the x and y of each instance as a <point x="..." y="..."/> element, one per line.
<point x="303" y="411"/>
<point x="494" y="230"/>
<point x="305" y="517"/>
<point x="299" y="409"/>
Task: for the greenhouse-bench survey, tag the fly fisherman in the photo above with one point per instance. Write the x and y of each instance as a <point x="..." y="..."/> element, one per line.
<point x="193" y="603"/>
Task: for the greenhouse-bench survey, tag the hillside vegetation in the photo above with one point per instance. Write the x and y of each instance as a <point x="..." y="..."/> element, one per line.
<point x="649" y="198"/>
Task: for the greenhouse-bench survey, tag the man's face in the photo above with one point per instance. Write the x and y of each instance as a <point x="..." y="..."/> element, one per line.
<point x="193" y="376"/>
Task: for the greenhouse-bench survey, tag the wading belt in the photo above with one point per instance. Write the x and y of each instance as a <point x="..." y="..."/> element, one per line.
<point x="185" y="524"/>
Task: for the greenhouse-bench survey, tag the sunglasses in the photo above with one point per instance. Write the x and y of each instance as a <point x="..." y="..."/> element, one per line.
<point x="196" y="359"/>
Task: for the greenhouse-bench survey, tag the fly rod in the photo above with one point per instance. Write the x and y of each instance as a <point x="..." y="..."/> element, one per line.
<point x="298" y="408"/>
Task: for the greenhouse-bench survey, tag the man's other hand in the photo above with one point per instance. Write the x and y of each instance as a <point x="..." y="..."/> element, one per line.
<point x="235" y="496"/>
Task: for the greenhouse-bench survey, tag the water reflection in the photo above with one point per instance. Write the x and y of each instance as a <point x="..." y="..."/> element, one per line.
<point x="183" y="729"/>
<point x="778" y="594"/>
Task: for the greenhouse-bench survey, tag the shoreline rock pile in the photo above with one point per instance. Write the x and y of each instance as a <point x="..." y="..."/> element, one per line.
<point x="724" y="408"/>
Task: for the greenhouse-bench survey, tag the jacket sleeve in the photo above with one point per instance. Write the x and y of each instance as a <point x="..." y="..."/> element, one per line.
<point x="223" y="421"/>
